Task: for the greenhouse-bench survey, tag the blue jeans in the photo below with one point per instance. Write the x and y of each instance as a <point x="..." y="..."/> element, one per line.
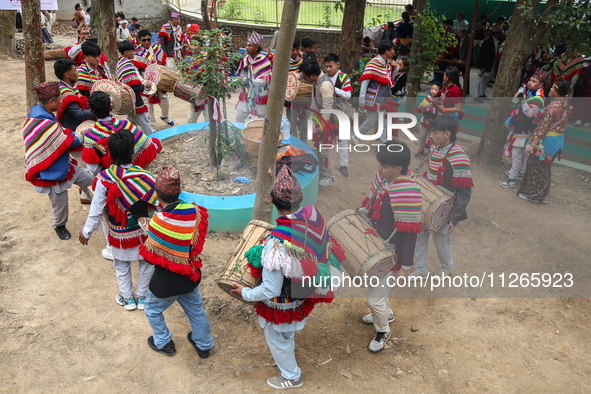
<point x="192" y="304"/>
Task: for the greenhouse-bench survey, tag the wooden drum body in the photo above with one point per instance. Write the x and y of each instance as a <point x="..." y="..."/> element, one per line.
<point x="189" y="92"/>
<point x="238" y="270"/>
<point x="304" y="90"/>
<point x="437" y="205"/>
<point x="364" y="248"/>
<point x="127" y="99"/>
<point x="163" y="77"/>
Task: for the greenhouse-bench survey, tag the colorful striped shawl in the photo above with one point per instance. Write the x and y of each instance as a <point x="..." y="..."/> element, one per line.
<point x="344" y="82"/>
<point x="168" y="30"/>
<point x="158" y="57"/>
<point x="127" y="73"/>
<point x="568" y="65"/>
<point x="69" y="96"/>
<point x="460" y="163"/>
<point x="125" y="188"/>
<point x="259" y="67"/>
<point x="45" y="141"/>
<point x="144" y="151"/>
<point x="176" y="238"/>
<point x="294" y="64"/>
<point x="405" y="199"/>
<point x="432" y="111"/>
<point x="87" y="78"/>
<point x="377" y="71"/>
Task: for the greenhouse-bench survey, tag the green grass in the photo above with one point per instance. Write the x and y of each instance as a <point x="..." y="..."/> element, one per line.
<point x="311" y="13"/>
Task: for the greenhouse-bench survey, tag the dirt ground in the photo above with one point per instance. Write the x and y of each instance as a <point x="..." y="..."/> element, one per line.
<point x="61" y="330"/>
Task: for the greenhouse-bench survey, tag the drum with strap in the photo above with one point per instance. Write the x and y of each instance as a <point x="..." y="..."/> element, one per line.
<point x="437" y="205"/>
<point x="163" y="77"/>
<point x="238" y="271"/>
<point x="190" y="92"/>
<point x="365" y="250"/>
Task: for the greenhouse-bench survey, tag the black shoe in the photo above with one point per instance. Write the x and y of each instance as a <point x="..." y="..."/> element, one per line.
<point x="62" y="232"/>
<point x="343" y="170"/>
<point x="478" y="100"/>
<point x="202" y="353"/>
<point x="485" y="98"/>
<point x="168" y="350"/>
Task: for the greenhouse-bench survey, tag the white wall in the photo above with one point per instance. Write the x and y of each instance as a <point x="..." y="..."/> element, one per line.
<point x="143" y="9"/>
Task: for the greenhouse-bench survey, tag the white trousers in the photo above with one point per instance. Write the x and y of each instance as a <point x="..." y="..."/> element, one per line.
<point x="142" y="121"/>
<point x="518" y="162"/>
<point x="194" y="115"/>
<point x="378" y="301"/>
<point x="282" y="347"/>
<point x="481" y="82"/>
<point x="344" y="152"/>
<point x="442" y="241"/>
<point x="123" y="275"/>
<point x="164" y="107"/>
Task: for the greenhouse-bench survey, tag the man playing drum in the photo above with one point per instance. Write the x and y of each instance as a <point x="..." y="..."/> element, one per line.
<point x="149" y="53"/>
<point x="449" y="167"/>
<point x="394" y="207"/>
<point x="255" y="70"/>
<point x="299" y="247"/>
<point x="128" y="74"/>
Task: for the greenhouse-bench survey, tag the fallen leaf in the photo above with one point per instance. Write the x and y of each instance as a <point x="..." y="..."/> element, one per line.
<point x="88" y="379"/>
<point x="347" y="375"/>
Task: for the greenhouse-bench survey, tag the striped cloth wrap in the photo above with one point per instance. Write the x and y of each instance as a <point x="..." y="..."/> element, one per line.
<point x="176" y="238"/>
<point x="405" y="199"/>
<point x="70" y="96"/>
<point x="95" y="150"/>
<point x="87" y="78"/>
<point x="460" y="163"/>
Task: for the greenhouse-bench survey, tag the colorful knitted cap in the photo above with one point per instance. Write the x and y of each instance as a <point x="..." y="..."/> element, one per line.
<point x="287" y="188"/>
<point x="255" y="38"/>
<point x="168" y="181"/>
<point x="175" y="15"/>
<point x="47" y="90"/>
<point x="540" y="75"/>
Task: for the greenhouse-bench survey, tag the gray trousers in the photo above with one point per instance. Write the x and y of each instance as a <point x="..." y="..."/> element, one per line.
<point x="142" y="121"/>
<point x="123" y="274"/>
<point x="282" y="347"/>
<point x="423" y="138"/>
<point x="194" y="115"/>
<point x="59" y="201"/>
<point x="481" y="82"/>
<point x="164" y="108"/>
<point x="442" y="241"/>
<point x="370" y="121"/>
<point x="518" y="162"/>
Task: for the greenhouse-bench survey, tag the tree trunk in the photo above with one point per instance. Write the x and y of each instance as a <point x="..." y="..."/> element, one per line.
<point x="108" y="32"/>
<point x="414" y="72"/>
<point x="263" y="206"/>
<point x="524" y="38"/>
<point x="7" y="33"/>
<point x="213" y="134"/>
<point x="205" y="15"/>
<point x="95" y="22"/>
<point x="352" y="34"/>
<point x="34" y="56"/>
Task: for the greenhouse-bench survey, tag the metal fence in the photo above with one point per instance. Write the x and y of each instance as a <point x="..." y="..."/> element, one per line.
<point x="313" y="13"/>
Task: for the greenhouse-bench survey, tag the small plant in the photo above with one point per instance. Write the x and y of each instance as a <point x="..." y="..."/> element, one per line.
<point x="327" y="14"/>
<point x="259" y="15"/>
<point x="232" y="9"/>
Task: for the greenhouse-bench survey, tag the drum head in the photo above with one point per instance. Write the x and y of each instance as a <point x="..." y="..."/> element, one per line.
<point x="112" y="89"/>
<point x="292" y="86"/>
<point x="152" y="74"/>
<point x="126" y="89"/>
<point x="84" y="127"/>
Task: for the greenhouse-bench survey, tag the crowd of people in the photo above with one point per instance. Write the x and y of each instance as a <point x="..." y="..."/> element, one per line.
<point x="143" y="218"/>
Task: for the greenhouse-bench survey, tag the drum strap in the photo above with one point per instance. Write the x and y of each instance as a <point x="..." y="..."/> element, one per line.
<point x="418" y="172"/>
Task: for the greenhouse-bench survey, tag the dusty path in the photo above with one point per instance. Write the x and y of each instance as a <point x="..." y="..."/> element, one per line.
<point x="60" y="329"/>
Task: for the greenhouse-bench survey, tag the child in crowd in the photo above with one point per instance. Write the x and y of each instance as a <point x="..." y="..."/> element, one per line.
<point x="127" y="192"/>
<point x="394" y="207"/>
<point x="308" y="48"/>
<point x="367" y="49"/>
<point x="175" y="240"/>
<point x="297" y="57"/>
<point x="449" y="166"/>
<point x="429" y="110"/>
<point x="48" y="164"/>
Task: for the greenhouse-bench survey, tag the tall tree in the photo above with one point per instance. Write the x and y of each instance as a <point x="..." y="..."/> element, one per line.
<point x="7" y="33"/>
<point x="263" y="207"/>
<point x="528" y="29"/>
<point x="414" y="71"/>
<point x="34" y="56"/>
<point x="108" y="32"/>
<point x="351" y="34"/>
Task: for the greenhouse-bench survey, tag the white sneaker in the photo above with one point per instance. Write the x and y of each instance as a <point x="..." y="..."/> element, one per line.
<point x="280" y="383"/>
<point x="586" y="124"/>
<point x="526" y="198"/>
<point x="578" y="123"/>
<point x="368" y="319"/>
<point x="107" y="253"/>
<point x="326" y="182"/>
<point x="378" y="343"/>
<point x="445" y="272"/>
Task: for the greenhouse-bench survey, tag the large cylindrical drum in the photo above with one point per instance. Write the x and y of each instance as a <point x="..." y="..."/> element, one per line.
<point x="437" y="205"/>
<point x="190" y="92"/>
<point x="164" y="78"/>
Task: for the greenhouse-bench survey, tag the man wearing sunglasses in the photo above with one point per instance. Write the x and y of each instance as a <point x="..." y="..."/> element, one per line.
<point x="150" y="53"/>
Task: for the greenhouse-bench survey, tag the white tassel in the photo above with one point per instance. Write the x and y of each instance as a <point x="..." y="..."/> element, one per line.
<point x="337" y="273"/>
<point x="277" y="260"/>
<point x="295" y="268"/>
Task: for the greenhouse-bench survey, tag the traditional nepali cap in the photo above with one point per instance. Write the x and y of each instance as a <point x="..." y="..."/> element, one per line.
<point x="168" y="181"/>
<point x="540" y="75"/>
<point x="256" y="38"/>
<point x="175" y="15"/>
<point x="47" y="90"/>
<point x="287" y="188"/>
